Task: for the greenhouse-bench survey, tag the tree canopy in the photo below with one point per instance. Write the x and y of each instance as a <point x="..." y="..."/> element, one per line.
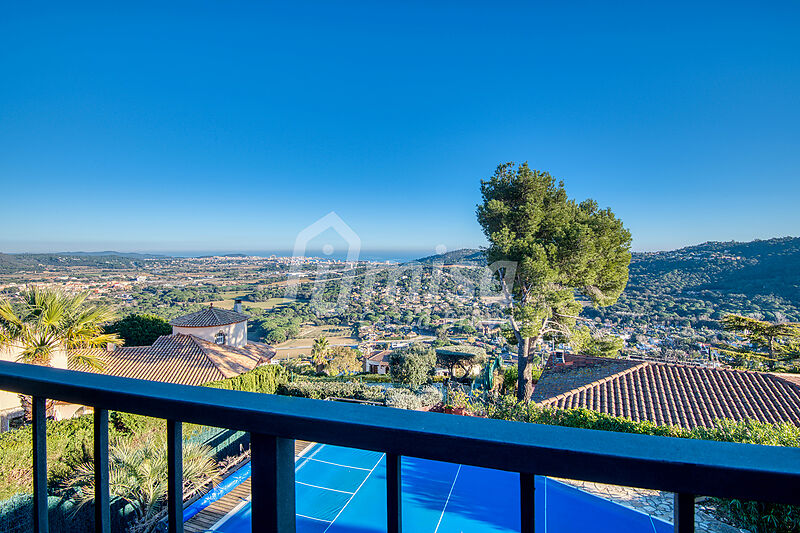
<point x="342" y="360"/>
<point x="140" y="330"/>
<point x="587" y="342"/>
<point x="412" y="365"/>
<point x="551" y="249"/>
<point x="463" y="357"/>
<point x="773" y="342"/>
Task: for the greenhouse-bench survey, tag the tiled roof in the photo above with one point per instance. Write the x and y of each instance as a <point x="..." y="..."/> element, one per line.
<point x="381" y="357"/>
<point x="182" y="359"/>
<point x="667" y="394"/>
<point x="559" y="378"/>
<point x="209" y="317"/>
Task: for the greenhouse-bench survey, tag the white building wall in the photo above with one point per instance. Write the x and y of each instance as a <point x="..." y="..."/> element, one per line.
<point x="235" y="334"/>
<point x="9" y="400"/>
<point x="372" y="367"/>
<point x="10" y="405"/>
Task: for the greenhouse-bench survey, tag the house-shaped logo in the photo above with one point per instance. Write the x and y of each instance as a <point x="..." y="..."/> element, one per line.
<point x="334" y="222"/>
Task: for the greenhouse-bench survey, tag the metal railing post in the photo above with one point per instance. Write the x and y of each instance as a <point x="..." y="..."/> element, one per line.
<point x="527" y="503"/>
<point x="39" y="414"/>
<point x="102" y="497"/>
<point x="175" y="476"/>
<point x="272" y="484"/>
<point x="394" y="493"/>
<point x="684" y="512"/>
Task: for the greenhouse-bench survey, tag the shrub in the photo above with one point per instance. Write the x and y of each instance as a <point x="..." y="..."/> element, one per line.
<point x="429" y="395"/>
<point x="759" y="517"/>
<point x="374" y="378"/>
<point x="402" y="399"/>
<point x="510" y="375"/>
<point x="755" y="516"/>
<point x="138" y="473"/>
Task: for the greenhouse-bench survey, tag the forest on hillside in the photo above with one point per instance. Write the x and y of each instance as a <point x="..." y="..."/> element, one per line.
<point x="13" y="263"/>
<point x="700" y="284"/>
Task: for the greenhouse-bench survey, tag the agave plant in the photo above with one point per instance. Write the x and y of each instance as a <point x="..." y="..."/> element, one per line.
<point x="138" y="475"/>
<point x="45" y="320"/>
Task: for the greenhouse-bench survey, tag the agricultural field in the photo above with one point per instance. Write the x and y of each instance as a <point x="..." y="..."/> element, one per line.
<point x="268" y="304"/>
<point x="336" y="335"/>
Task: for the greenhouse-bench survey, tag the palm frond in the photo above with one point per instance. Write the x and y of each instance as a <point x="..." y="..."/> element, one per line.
<point x="86" y="359"/>
<point x="138" y="473"/>
<point x="46" y="320"/>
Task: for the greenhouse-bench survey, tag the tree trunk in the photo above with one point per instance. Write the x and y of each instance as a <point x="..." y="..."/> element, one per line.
<point x="771" y="364"/>
<point x="524" y="371"/>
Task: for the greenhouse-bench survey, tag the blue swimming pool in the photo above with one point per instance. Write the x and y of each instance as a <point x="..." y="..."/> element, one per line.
<point x="344" y="490"/>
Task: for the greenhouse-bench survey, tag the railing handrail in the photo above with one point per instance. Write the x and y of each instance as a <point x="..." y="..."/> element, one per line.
<point x="744" y="471"/>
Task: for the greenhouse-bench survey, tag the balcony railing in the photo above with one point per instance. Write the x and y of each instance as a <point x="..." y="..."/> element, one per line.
<point x="684" y="467"/>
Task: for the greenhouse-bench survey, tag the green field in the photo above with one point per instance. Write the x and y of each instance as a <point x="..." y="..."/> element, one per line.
<point x="301" y="346"/>
<point x="272" y="303"/>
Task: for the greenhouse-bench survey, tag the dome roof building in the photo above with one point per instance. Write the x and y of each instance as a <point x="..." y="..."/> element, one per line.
<point x="220" y="326"/>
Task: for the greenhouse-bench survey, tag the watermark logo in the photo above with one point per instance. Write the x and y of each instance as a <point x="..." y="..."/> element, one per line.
<point x="418" y="289"/>
<point x="301" y="261"/>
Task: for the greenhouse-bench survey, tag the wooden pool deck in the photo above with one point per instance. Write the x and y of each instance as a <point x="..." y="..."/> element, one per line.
<point x="205" y="520"/>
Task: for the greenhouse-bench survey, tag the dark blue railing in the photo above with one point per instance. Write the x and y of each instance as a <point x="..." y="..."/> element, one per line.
<point x="685" y="467"/>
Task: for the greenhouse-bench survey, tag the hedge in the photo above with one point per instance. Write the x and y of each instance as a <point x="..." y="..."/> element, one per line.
<point x="400" y="397"/>
<point x="264" y="379"/>
<point x="16" y="515"/>
<point x="321" y="390"/>
<point x="755" y="516"/>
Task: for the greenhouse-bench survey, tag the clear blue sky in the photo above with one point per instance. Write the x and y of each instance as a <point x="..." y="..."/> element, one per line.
<point x="232" y="125"/>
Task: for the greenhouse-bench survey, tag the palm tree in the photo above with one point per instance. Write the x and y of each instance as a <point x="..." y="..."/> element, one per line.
<point x="138" y="475"/>
<point x="45" y="320"/>
<point x="318" y="353"/>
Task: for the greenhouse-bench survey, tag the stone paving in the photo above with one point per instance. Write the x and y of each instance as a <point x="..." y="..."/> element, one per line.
<point x="654" y="503"/>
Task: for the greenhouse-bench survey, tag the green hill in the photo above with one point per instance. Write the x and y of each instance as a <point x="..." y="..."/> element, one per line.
<point x="702" y="283"/>
<point x="464" y="256"/>
<point x="11" y="263"/>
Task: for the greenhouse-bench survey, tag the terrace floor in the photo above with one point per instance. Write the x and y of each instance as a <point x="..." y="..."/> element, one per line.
<point x="652" y="502"/>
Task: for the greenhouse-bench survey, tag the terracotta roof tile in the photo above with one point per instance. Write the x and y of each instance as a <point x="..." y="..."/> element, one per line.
<point x="380" y="357"/>
<point x="209" y="317"/>
<point x="182" y="359"/>
<point x="664" y="393"/>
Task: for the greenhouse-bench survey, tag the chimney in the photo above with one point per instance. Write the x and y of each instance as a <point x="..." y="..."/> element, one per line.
<point x="110" y="346"/>
<point x="237" y="305"/>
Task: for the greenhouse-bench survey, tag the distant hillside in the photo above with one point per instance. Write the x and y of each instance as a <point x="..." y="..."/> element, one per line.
<point x="464" y="256"/>
<point x="698" y="284"/>
<point x="129" y="255"/>
<point x="707" y="281"/>
<point x="11" y="263"/>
